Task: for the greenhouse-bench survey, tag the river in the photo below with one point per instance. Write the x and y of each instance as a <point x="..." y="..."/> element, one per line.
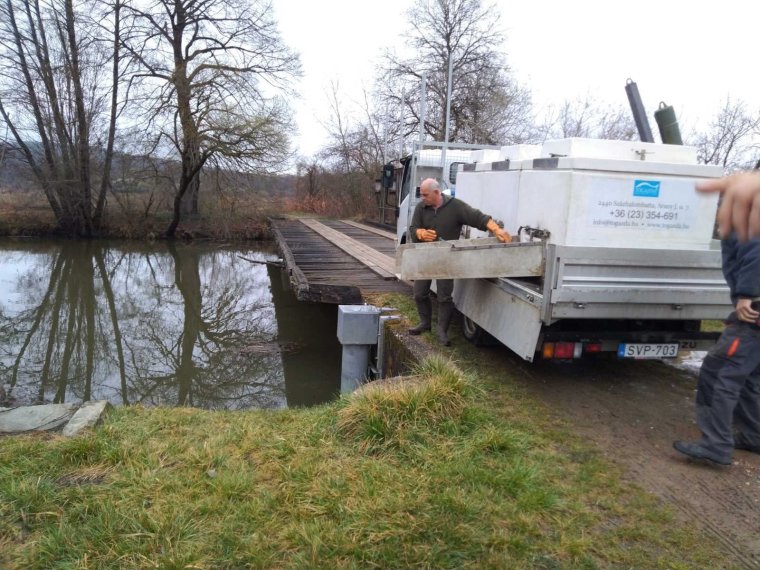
<point x="160" y="324"/>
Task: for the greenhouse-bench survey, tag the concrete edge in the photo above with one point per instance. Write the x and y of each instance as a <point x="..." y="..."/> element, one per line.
<point x="88" y="415"/>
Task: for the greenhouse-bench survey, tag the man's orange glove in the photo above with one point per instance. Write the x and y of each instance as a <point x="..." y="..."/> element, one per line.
<point x="426" y="235"/>
<point x="500" y="234"/>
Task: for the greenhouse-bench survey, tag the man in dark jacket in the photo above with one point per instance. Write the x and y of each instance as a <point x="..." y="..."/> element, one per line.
<point x="729" y="379"/>
<point x="441" y="217"/>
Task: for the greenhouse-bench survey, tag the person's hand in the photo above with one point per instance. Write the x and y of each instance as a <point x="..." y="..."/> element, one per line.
<point x="501" y="235"/>
<point x="740" y="208"/>
<point x="745" y="312"/>
<point x="426" y="235"/>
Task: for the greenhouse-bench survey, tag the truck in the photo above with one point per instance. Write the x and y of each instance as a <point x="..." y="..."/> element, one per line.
<point x="427" y="160"/>
<point x="613" y="249"/>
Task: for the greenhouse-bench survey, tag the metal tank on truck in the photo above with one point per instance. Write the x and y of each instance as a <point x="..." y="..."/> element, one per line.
<point x="614" y="251"/>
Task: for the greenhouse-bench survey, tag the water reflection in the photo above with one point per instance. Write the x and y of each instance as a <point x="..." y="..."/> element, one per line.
<point x="170" y="324"/>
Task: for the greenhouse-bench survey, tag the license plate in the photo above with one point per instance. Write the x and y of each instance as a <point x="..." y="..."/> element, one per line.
<point x="648" y="350"/>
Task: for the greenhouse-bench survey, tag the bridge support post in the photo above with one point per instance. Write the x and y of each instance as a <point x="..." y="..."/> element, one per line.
<point x="358" y="327"/>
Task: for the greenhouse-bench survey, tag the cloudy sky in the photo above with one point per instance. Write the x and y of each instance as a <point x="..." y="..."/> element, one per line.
<point x="677" y="51"/>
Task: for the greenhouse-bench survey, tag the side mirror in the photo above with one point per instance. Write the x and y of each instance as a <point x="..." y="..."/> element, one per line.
<point x="387" y="178"/>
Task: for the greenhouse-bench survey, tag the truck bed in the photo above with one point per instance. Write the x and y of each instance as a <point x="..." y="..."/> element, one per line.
<point x="631" y="295"/>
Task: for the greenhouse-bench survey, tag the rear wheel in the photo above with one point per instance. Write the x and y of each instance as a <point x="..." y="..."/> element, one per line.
<point x="473" y="332"/>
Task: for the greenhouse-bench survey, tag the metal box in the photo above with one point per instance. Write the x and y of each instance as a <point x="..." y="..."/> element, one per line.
<point x="358" y="324"/>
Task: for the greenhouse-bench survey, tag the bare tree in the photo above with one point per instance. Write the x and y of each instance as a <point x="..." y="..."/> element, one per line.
<point x="350" y="161"/>
<point x="116" y="106"/>
<point x="504" y="116"/>
<point x="210" y="71"/>
<point x="52" y="94"/>
<point x="339" y="129"/>
<point x="487" y="104"/>
<point x="731" y="138"/>
<point x="354" y="144"/>
<point x="309" y="182"/>
<point x="587" y="118"/>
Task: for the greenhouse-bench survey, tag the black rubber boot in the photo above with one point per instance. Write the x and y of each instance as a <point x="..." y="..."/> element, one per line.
<point x="696" y="451"/>
<point x="445" y="314"/>
<point x="425" y="310"/>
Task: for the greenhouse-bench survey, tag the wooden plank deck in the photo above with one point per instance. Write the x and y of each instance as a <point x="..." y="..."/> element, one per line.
<point x="332" y="261"/>
<point x="378" y="262"/>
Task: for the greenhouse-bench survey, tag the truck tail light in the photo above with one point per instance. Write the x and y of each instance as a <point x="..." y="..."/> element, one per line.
<point x="564" y="350"/>
<point x="593" y="347"/>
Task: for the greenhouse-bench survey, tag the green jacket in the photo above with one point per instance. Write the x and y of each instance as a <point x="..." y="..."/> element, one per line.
<point x="448" y="219"/>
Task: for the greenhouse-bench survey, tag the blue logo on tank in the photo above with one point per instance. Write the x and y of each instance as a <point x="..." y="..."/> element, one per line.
<point x="646" y="188"/>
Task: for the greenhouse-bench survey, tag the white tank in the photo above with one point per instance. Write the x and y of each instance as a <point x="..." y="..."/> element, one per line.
<point x="588" y="192"/>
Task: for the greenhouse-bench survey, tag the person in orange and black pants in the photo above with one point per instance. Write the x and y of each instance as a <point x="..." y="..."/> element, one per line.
<point x="728" y="393"/>
<point x="441" y="217"/>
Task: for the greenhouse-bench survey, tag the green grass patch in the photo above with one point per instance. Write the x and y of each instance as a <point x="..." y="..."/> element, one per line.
<point x="446" y="470"/>
<point x="712" y="326"/>
<point x="410" y="411"/>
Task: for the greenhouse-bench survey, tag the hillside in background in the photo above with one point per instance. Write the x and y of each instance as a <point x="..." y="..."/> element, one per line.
<point x="134" y="174"/>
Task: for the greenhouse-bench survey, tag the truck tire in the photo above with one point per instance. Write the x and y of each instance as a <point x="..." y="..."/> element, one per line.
<point x="474" y="333"/>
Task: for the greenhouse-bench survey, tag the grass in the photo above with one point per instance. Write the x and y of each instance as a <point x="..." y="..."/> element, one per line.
<point x="713" y="325"/>
<point x="454" y="468"/>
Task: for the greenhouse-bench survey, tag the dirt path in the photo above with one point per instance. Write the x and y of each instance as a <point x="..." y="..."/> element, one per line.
<point x="634" y="411"/>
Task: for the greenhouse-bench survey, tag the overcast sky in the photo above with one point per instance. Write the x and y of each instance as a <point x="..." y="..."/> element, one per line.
<point x="677" y="51"/>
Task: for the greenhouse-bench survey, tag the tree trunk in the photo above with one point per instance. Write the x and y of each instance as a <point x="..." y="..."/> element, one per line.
<point x="189" y="176"/>
<point x="82" y="131"/>
<point x="108" y="159"/>
<point x="189" y="202"/>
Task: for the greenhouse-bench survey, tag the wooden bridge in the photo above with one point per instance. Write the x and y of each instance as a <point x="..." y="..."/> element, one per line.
<point x="337" y="261"/>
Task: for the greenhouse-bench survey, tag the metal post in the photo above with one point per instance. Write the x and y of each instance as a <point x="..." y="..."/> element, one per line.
<point x="448" y="101"/>
<point x="379" y="367"/>
<point x="403" y="123"/>
<point x="423" y="106"/>
<point x="385" y="134"/>
<point x="353" y="367"/>
<point x="444" y="174"/>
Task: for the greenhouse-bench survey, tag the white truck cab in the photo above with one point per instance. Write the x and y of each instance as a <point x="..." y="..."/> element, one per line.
<point x="437" y="162"/>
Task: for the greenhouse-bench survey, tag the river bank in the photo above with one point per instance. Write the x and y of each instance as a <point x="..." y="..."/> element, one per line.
<point x="240" y="217"/>
<point x="461" y="468"/>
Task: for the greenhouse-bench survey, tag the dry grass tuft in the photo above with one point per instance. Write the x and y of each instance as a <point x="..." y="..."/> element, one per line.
<point x="93" y="475"/>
